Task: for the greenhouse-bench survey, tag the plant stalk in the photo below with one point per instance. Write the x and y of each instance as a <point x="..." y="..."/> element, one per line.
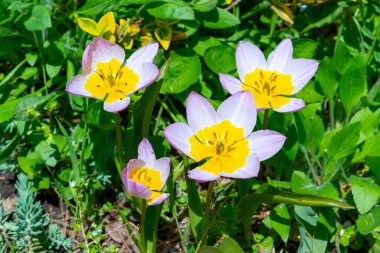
<point x="265" y="121"/>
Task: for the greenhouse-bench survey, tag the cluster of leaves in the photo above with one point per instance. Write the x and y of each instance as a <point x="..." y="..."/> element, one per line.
<point x="331" y="152"/>
<point x="30" y="231"/>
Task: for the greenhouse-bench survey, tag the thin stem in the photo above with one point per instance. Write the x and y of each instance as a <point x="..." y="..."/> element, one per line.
<point x="119" y="139"/>
<point x="265" y="121"/>
<point x="142" y="225"/>
<point x="331" y="113"/>
<point x="309" y="163"/>
<point x="40" y="51"/>
<point x="84" y="138"/>
<point x="207" y="211"/>
<point x="369" y="57"/>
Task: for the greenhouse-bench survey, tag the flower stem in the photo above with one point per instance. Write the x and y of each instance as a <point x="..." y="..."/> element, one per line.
<point x="207" y="212"/>
<point x="142" y="226"/>
<point x="265" y="121"/>
<point x="119" y="139"/>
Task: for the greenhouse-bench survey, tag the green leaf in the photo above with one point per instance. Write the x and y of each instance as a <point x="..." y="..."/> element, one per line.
<point x="280" y="221"/>
<point x="366" y="194"/>
<point x="171" y="9"/>
<point x="369" y="122"/>
<point x="220" y="59"/>
<point x="344" y="141"/>
<point x="40" y="19"/>
<point x="328" y="77"/>
<point x="95" y="7"/>
<point x="218" y="19"/>
<point x="73" y="157"/>
<point x="183" y="71"/>
<point x="204" y="5"/>
<point x="27" y="104"/>
<point x="27" y="166"/>
<point x="352" y="87"/>
<point x="97" y="117"/>
<point x="301" y="183"/>
<point x="342" y="57"/>
<point x="202" y="43"/>
<point x="5" y="32"/>
<point x="304" y="48"/>
<point x="371" y="147"/>
<point x="11" y="74"/>
<point x="228" y="245"/>
<point x="9" y="148"/>
<point x="369" y="222"/>
<point x="194" y="204"/>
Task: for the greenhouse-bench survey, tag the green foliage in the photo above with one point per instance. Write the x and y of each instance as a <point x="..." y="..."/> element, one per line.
<point x="30" y="229"/>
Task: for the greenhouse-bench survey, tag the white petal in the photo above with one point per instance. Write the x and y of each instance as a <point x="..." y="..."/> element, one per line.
<point x="147" y="72"/>
<point x="281" y="56"/>
<point x="295" y="104"/>
<point x="100" y="50"/>
<point x="265" y="143"/>
<point x="76" y="86"/>
<point x="301" y="70"/>
<point x="240" y="110"/>
<point x="199" y="111"/>
<point x="248" y="58"/>
<point x="250" y="169"/>
<point x="163" y="165"/>
<point x="144" y="54"/>
<point x="178" y="135"/>
<point x="202" y="176"/>
<point x="117" y="105"/>
<point x="146" y="153"/>
<point x="230" y="83"/>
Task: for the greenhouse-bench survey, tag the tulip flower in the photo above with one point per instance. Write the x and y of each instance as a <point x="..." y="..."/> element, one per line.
<point x="106" y="76"/>
<point x="145" y="177"/>
<point x="272" y="82"/>
<point x="223" y="140"/>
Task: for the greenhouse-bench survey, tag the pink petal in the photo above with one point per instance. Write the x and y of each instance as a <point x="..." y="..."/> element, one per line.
<point x="202" y="176"/>
<point x="76" y="86"/>
<point x="178" y="135"/>
<point x="230" y="83"/>
<point x="147" y="72"/>
<point x="134" y="164"/>
<point x="248" y="58"/>
<point x="240" y="110"/>
<point x="117" y="105"/>
<point x="199" y="111"/>
<point x="134" y="188"/>
<point x="265" y="143"/>
<point x="295" y="104"/>
<point x="281" y="56"/>
<point x="250" y="169"/>
<point x="301" y="70"/>
<point x="100" y="50"/>
<point x="144" y="54"/>
<point x="159" y="199"/>
<point x="146" y="153"/>
<point x="163" y="165"/>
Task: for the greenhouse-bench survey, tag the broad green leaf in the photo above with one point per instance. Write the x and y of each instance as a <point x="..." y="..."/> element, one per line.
<point x="218" y="19"/>
<point x="220" y="59"/>
<point x="342" y="57"/>
<point x="366" y="194"/>
<point x="5" y="32"/>
<point x="310" y="94"/>
<point x="369" y="122"/>
<point x="27" y="105"/>
<point x="304" y="48"/>
<point x="315" y="133"/>
<point x="89" y="26"/>
<point x="328" y="78"/>
<point x="183" y="71"/>
<point x="95" y="7"/>
<point x="46" y="153"/>
<point x="171" y="9"/>
<point x="39" y="20"/>
<point x="280" y="221"/>
<point x="374" y="164"/>
<point x="203" y="43"/>
<point x="228" y="245"/>
<point x="27" y="165"/>
<point x="204" y="5"/>
<point x="344" y="141"/>
<point x="6" y="109"/>
<point x="9" y="148"/>
<point x="301" y="183"/>
<point x="352" y="87"/>
<point x="97" y="117"/>
<point x="369" y="222"/>
<point x="371" y="147"/>
<point x="43" y="183"/>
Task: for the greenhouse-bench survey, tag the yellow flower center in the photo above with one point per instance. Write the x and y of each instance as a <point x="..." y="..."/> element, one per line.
<point x="111" y="81"/>
<point x="148" y="177"/>
<point x="270" y="89"/>
<point x="223" y="145"/>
